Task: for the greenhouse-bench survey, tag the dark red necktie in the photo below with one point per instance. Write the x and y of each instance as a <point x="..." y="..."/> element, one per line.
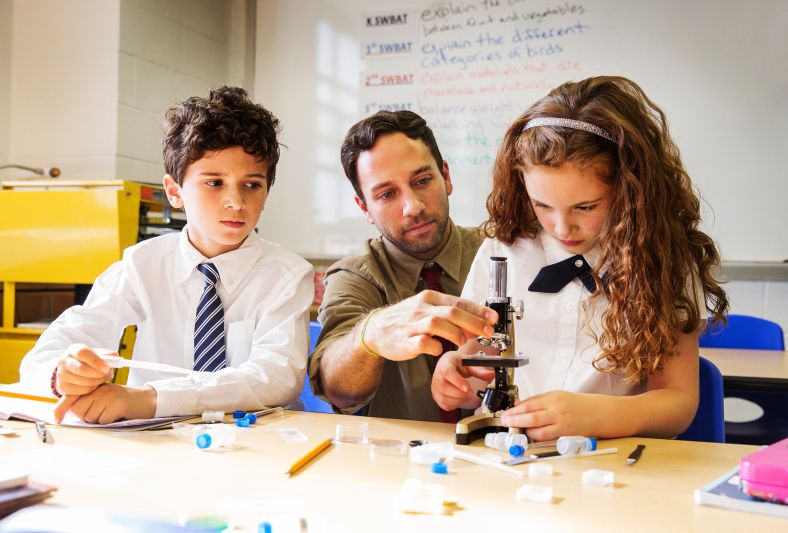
<point x="431" y="275"/>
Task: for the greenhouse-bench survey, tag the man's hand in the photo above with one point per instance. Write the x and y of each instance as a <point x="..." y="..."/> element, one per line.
<point x="451" y="387"/>
<point x="109" y="403"/>
<point x="406" y="330"/>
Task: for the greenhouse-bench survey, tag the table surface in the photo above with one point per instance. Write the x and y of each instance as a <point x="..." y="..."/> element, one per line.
<point x="164" y="475"/>
<point x="771" y="364"/>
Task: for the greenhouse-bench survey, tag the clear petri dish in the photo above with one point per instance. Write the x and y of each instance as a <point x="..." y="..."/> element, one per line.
<point x="387" y="447"/>
<point x="355" y="432"/>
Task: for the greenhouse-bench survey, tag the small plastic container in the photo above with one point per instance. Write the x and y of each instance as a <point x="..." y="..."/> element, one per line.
<point x="534" y="493"/>
<point x="503" y="440"/>
<point x="355" y="432"/>
<point x="600" y="478"/>
<point x="431" y="452"/>
<point x="216" y="436"/>
<point x="540" y="469"/>
<point x="575" y="445"/>
<point x="213" y="417"/>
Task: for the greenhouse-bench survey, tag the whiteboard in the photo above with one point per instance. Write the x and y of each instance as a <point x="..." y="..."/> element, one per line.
<point x="717" y="68"/>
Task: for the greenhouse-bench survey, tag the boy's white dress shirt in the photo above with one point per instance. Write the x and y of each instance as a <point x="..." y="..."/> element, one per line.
<point x="265" y="290"/>
<point x="553" y="333"/>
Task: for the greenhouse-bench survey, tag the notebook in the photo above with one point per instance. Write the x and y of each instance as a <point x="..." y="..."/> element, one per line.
<point x="44" y="411"/>
<point x="18" y="497"/>
<point x="725" y="492"/>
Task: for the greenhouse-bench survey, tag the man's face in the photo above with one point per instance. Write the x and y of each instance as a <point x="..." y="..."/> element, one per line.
<point x="406" y="195"/>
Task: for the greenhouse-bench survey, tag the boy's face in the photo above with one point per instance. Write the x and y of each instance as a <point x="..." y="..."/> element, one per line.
<point x="223" y="195"/>
<point x="571" y="203"/>
<point x="405" y="194"/>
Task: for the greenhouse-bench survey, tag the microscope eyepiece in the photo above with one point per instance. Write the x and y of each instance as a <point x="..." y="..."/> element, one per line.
<point x="496" y="291"/>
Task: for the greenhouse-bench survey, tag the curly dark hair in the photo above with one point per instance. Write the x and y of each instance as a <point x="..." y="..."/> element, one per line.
<point x="363" y="135"/>
<point x="650" y="243"/>
<point x="225" y="119"/>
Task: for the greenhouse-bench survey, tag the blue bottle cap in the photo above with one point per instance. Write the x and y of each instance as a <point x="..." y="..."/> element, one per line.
<point x="203" y="441"/>
<point x="239" y="414"/>
<point x="592" y="440"/>
<point x="264" y="527"/>
<point x="440" y="468"/>
<point x="251" y="417"/>
<point x="242" y="422"/>
<point x="516" y="450"/>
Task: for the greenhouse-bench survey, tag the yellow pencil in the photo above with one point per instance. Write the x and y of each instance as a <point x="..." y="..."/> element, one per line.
<point x="21" y="396"/>
<point x="309" y="457"/>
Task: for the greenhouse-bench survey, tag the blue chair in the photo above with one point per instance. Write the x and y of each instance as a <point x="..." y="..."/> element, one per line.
<point x="308" y="401"/>
<point x="751" y="333"/>
<point x="709" y="422"/>
<point x="744" y="332"/>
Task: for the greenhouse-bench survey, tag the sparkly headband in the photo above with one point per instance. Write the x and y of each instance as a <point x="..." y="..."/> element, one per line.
<point x="569" y="123"/>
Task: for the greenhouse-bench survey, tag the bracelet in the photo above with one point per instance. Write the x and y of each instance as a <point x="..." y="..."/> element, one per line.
<point x="52" y="382"/>
<point x="364" y="330"/>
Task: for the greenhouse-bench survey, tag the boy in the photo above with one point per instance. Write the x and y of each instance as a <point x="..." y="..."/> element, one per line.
<point x="213" y="298"/>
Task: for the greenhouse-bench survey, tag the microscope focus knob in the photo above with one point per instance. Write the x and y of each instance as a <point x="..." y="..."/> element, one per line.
<point x="518" y="310"/>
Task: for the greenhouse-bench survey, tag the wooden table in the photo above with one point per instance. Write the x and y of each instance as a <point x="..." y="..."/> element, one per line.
<point x="758" y="370"/>
<point x="164" y="475"/>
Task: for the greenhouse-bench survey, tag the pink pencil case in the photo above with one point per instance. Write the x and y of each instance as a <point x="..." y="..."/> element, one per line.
<point x="764" y="474"/>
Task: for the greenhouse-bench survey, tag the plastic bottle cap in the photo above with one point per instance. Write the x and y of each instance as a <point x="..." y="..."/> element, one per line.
<point x="251" y="417"/>
<point x="239" y="414"/>
<point x="593" y="444"/>
<point x="242" y="422"/>
<point x="516" y="450"/>
<point x="203" y="441"/>
<point x="264" y="527"/>
<point x="440" y="468"/>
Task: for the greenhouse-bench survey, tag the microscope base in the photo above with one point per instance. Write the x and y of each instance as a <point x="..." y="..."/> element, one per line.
<point x="475" y="427"/>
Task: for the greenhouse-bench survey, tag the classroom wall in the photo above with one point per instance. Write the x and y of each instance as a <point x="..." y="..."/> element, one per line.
<point x="169" y="51"/>
<point x="84" y="83"/>
<point x="64" y="82"/>
<point x="694" y="58"/>
<point x="6" y="27"/>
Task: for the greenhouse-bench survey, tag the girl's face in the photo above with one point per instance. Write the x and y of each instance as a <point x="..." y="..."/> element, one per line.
<point x="571" y="203"/>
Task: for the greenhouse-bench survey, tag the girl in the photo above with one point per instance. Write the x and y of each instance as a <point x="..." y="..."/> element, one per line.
<point x="596" y="215"/>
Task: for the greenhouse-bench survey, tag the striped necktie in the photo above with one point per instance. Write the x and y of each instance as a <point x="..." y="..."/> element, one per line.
<point x="209" y="326"/>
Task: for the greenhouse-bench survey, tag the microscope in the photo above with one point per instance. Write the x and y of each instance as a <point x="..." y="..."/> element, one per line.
<point x="502" y="392"/>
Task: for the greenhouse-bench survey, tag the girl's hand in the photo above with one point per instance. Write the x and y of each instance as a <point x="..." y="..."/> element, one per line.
<point x="451" y="387"/>
<point x="81" y="370"/>
<point x="557" y="413"/>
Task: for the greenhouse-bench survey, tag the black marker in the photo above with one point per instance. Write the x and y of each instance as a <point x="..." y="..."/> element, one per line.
<point x="635" y="455"/>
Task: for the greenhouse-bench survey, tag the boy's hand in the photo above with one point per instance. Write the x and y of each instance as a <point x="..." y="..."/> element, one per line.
<point x="552" y="414"/>
<point x="109" y="403"/>
<point x="81" y="370"/>
<point x="451" y="387"/>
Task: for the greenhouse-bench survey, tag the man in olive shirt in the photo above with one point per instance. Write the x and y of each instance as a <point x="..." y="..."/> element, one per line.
<point x="385" y="313"/>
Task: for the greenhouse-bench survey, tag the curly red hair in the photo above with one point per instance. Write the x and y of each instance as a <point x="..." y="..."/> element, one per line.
<point x="651" y="247"/>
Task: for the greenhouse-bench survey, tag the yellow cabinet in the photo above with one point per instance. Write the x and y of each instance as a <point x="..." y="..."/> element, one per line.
<point x="67" y="232"/>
